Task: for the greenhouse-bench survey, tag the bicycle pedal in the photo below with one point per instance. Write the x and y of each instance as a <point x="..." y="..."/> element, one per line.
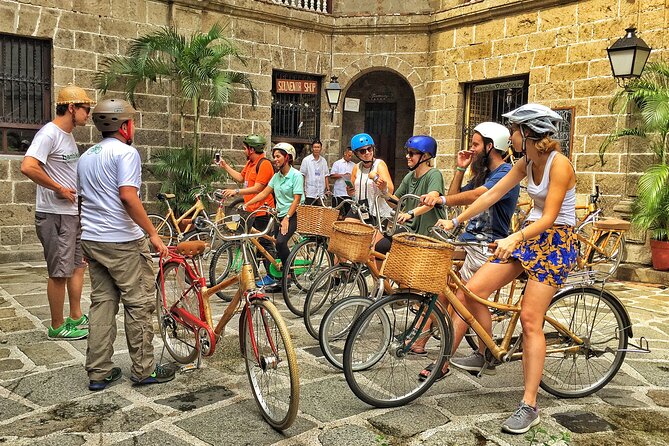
<point x="188" y="367"/>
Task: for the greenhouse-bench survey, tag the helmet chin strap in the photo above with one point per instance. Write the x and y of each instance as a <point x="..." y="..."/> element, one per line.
<point x="411" y="169"/>
<point x="127" y="134"/>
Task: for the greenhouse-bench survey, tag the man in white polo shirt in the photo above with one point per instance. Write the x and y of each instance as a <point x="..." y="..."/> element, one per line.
<point x="315" y="170"/>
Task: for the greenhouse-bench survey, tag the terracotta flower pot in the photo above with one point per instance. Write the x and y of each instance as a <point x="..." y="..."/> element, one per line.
<point x="659" y="253"/>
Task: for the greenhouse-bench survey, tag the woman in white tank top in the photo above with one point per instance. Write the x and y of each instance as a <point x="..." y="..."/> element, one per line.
<point x="367" y="187"/>
<point x="544" y="248"/>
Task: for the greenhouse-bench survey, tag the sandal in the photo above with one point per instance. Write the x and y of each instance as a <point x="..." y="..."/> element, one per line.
<point x="425" y="373"/>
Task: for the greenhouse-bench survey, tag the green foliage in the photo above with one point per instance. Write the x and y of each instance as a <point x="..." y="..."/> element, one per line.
<point x="181" y="172"/>
<point x="540" y="436"/>
<point x="381" y="440"/>
<point x="648" y="99"/>
<point x="195" y="66"/>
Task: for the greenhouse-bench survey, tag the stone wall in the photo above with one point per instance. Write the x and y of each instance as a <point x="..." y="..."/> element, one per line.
<point x="559" y="44"/>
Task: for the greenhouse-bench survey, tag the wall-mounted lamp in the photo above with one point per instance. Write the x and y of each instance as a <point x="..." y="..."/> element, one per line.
<point x="628" y="56"/>
<point x="333" y="91"/>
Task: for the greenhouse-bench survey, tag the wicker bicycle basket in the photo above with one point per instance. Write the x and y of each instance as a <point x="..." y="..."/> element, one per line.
<point x="419" y="262"/>
<point x="316" y="220"/>
<point x="351" y="240"/>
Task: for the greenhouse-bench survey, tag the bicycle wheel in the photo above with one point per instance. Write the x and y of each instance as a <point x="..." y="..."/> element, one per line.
<point x="336" y="324"/>
<point x="271" y="363"/>
<point x="377" y="365"/>
<point x="613" y="245"/>
<point x="332" y="285"/>
<point x="227" y="260"/>
<point x="575" y="370"/>
<point x="307" y="259"/>
<point x="176" y="290"/>
<point x="164" y="228"/>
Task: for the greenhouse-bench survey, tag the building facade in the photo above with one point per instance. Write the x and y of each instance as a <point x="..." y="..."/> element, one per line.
<point x="434" y="67"/>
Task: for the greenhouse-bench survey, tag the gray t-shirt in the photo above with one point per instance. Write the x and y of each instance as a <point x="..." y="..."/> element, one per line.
<point x="57" y="151"/>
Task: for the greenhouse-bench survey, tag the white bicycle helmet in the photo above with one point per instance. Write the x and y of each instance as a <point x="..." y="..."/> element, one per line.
<point x="497" y="133"/>
<point x="539" y="118"/>
<point x="285" y="147"/>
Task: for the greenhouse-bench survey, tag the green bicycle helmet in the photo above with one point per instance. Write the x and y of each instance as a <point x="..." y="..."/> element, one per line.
<point x="256" y="142"/>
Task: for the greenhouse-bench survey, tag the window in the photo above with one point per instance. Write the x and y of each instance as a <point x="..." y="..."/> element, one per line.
<point x="487" y="101"/>
<point x="296" y="106"/>
<point x="25" y="90"/>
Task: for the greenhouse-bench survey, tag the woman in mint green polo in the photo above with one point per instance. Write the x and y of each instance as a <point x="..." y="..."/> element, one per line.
<point x="288" y="187"/>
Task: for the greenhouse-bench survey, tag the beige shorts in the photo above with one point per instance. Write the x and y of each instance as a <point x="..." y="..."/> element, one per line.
<point x="61" y="239"/>
<point x="475" y="258"/>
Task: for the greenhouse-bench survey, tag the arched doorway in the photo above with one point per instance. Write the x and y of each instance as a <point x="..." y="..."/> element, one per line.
<point x="382" y="104"/>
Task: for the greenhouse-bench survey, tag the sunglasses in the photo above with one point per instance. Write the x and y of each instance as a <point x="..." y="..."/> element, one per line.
<point x="412" y="153"/>
<point x="85" y="107"/>
<point x="365" y="150"/>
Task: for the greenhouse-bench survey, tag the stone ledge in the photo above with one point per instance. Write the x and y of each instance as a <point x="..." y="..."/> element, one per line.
<point x="21" y="253"/>
<point x="634" y="272"/>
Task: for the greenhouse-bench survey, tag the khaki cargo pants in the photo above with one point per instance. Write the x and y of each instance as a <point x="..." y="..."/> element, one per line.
<point x="120" y="272"/>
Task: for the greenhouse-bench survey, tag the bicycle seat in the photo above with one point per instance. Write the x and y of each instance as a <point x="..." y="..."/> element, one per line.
<point x="191" y="248"/>
<point x="612" y="224"/>
<point x="162" y="196"/>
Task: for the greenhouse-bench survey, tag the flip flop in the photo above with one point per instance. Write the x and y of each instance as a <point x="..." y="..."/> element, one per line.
<point x="420" y="353"/>
<point x="422" y="376"/>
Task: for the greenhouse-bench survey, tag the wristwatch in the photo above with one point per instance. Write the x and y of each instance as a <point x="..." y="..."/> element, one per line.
<point x="411" y="214"/>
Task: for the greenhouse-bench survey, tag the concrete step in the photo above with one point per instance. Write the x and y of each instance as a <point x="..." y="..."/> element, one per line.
<point x="21" y="253"/>
<point x="635" y="272"/>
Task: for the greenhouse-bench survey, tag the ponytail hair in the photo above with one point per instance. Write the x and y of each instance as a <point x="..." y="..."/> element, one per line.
<point x="546" y="145"/>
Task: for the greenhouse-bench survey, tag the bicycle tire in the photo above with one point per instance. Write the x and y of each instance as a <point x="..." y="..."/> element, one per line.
<point x="164" y="229"/>
<point x="336" y="325"/>
<point x="375" y="366"/>
<point x="600" y="320"/>
<point x="332" y="285"/>
<point x="609" y="261"/>
<point x="180" y="339"/>
<point x="276" y="366"/>
<point x="227" y="259"/>
<point x="307" y="259"/>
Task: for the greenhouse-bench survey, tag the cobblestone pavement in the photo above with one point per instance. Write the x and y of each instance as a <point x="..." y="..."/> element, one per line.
<point x="44" y="398"/>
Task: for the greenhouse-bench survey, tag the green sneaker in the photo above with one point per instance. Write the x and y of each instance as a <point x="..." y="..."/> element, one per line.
<point x="66" y="331"/>
<point x="82" y="322"/>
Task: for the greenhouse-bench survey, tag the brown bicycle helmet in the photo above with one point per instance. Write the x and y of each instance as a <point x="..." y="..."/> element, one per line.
<point x="109" y="114"/>
<point x="73" y="95"/>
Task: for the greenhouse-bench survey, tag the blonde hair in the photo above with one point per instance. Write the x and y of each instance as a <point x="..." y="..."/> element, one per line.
<point x="546" y="145"/>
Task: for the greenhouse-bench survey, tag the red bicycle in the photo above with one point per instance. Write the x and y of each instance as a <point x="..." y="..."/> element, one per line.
<point x="187" y="329"/>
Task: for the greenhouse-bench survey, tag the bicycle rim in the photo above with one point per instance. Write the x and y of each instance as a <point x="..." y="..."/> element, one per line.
<point x="164" y="229"/>
<point x="597" y="318"/>
<point x="180" y="339"/>
<point x="305" y="262"/>
<point x="226" y="261"/>
<point x="336" y="324"/>
<point x="271" y="363"/>
<point x="332" y="285"/>
<point x="376" y="366"/>
<point x="613" y="247"/>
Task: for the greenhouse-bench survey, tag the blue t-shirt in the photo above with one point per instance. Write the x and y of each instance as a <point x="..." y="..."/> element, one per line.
<point x="285" y="188"/>
<point x="493" y="223"/>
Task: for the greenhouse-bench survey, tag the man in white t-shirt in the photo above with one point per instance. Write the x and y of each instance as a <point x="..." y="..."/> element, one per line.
<point x="113" y="222"/>
<point x="341" y="173"/>
<point x="51" y="162"/>
<point x="315" y="170"/>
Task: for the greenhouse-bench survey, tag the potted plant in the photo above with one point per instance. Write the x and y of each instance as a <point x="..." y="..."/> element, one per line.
<point x="196" y="69"/>
<point x="648" y="97"/>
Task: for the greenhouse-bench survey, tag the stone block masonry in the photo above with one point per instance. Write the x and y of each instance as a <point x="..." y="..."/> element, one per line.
<point x="559" y="45"/>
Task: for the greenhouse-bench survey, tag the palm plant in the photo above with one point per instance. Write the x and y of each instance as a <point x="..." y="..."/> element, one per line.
<point x="648" y="98"/>
<point x="195" y="66"/>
